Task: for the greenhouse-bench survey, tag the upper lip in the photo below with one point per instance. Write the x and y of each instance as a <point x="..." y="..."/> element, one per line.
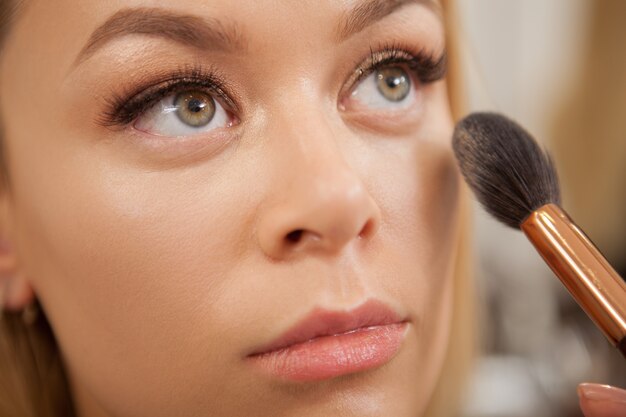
<point x="323" y="322"/>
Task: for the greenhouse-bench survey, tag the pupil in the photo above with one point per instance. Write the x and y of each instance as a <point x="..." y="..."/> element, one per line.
<point x="393" y="82"/>
<point x="195" y="105"/>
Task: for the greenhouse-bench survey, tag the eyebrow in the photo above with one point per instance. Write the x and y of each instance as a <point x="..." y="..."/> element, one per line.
<point x="201" y="33"/>
<point x="369" y="12"/>
<point x="210" y="33"/>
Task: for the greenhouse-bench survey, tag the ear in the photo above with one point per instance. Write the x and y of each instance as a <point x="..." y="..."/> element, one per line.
<point x="15" y="290"/>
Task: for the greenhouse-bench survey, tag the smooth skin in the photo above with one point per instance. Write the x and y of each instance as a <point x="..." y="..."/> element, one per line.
<point x="162" y="261"/>
<point x="162" y="256"/>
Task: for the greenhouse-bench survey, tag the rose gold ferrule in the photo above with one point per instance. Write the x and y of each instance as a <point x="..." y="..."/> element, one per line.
<point x="580" y="266"/>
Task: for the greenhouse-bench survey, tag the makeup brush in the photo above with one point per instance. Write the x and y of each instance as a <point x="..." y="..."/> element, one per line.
<point x="516" y="182"/>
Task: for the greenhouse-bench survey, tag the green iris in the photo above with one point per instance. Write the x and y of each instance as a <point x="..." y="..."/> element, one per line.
<point x="393" y="83"/>
<point x="195" y="108"/>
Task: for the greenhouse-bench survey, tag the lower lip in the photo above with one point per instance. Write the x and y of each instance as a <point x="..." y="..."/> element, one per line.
<point x="331" y="356"/>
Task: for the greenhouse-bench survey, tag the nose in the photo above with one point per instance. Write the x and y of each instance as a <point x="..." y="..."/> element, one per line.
<point x="319" y="203"/>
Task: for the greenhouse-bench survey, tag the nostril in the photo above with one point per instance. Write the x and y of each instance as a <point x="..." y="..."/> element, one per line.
<point x="295" y="236"/>
<point x="368" y="229"/>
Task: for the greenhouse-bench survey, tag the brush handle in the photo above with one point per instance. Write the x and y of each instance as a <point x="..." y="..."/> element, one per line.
<point x="580" y="266"/>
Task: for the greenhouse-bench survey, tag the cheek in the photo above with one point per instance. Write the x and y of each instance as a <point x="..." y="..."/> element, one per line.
<point x="138" y="268"/>
<point x="129" y="266"/>
<point x="419" y="200"/>
<point x="418" y="191"/>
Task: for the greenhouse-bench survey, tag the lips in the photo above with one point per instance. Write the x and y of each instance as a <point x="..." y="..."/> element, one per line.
<point x="321" y="322"/>
<point x="328" y="343"/>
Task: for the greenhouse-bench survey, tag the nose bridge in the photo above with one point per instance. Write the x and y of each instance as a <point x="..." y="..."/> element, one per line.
<point x="318" y="159"/>
<point x="313" y="152"/>
<point x="320" y="202"/>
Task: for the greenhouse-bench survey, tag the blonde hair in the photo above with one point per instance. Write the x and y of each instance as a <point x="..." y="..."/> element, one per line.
<point x="462" y="347"/>
<point x="32" y="377"/>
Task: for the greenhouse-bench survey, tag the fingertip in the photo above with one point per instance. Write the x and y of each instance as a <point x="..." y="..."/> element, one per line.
<point x="598" y="400"/>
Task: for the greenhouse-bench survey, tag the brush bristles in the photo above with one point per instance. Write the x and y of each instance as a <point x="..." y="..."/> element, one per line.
<point x="507" y="170"/>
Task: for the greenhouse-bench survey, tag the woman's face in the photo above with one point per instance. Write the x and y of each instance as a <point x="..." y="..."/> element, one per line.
<point x="190" y="179"/>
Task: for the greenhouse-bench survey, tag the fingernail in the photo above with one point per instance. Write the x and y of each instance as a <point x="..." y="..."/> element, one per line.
<point x="599" y="392"/>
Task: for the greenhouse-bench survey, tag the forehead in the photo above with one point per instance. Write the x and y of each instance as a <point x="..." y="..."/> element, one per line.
<point x="58" y="34"/>
<point x="210" y="32"/>
<point x="341" y="15"/>
<point x="80" y="25"/>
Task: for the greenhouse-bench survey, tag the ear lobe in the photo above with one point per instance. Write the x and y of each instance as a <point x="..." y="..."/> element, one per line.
<point x="15" y="290"/>
<point x="18" y="293"/>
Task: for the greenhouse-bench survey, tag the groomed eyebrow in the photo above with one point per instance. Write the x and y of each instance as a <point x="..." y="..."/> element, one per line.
<point x="202" y="33"/>
<point x="369" y="12"/>
<point x="209" y="33"/>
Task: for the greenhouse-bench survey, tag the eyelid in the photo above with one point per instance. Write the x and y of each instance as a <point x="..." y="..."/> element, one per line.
<point x="124" y="108"/>
<point x="426" y="66"/>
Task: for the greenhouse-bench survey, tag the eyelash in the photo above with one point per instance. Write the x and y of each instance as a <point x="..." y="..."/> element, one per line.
<point x="426" y="66"/>
<point x="124" y="108"/>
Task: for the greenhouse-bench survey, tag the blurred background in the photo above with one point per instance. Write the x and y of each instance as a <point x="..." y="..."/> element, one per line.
<point x="558" y="67"/>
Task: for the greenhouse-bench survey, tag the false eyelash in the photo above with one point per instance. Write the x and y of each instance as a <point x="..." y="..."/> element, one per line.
<point x="124" y="108"/>
<point x="426" y="66"/>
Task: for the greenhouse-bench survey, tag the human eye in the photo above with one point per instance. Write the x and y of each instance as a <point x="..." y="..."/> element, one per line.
<point x="185" y="103"/>
<point x="391" y="78"/>
<point x="183" y="114"/>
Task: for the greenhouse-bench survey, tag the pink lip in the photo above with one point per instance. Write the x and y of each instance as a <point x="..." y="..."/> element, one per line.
<point x="327" y="344"/>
